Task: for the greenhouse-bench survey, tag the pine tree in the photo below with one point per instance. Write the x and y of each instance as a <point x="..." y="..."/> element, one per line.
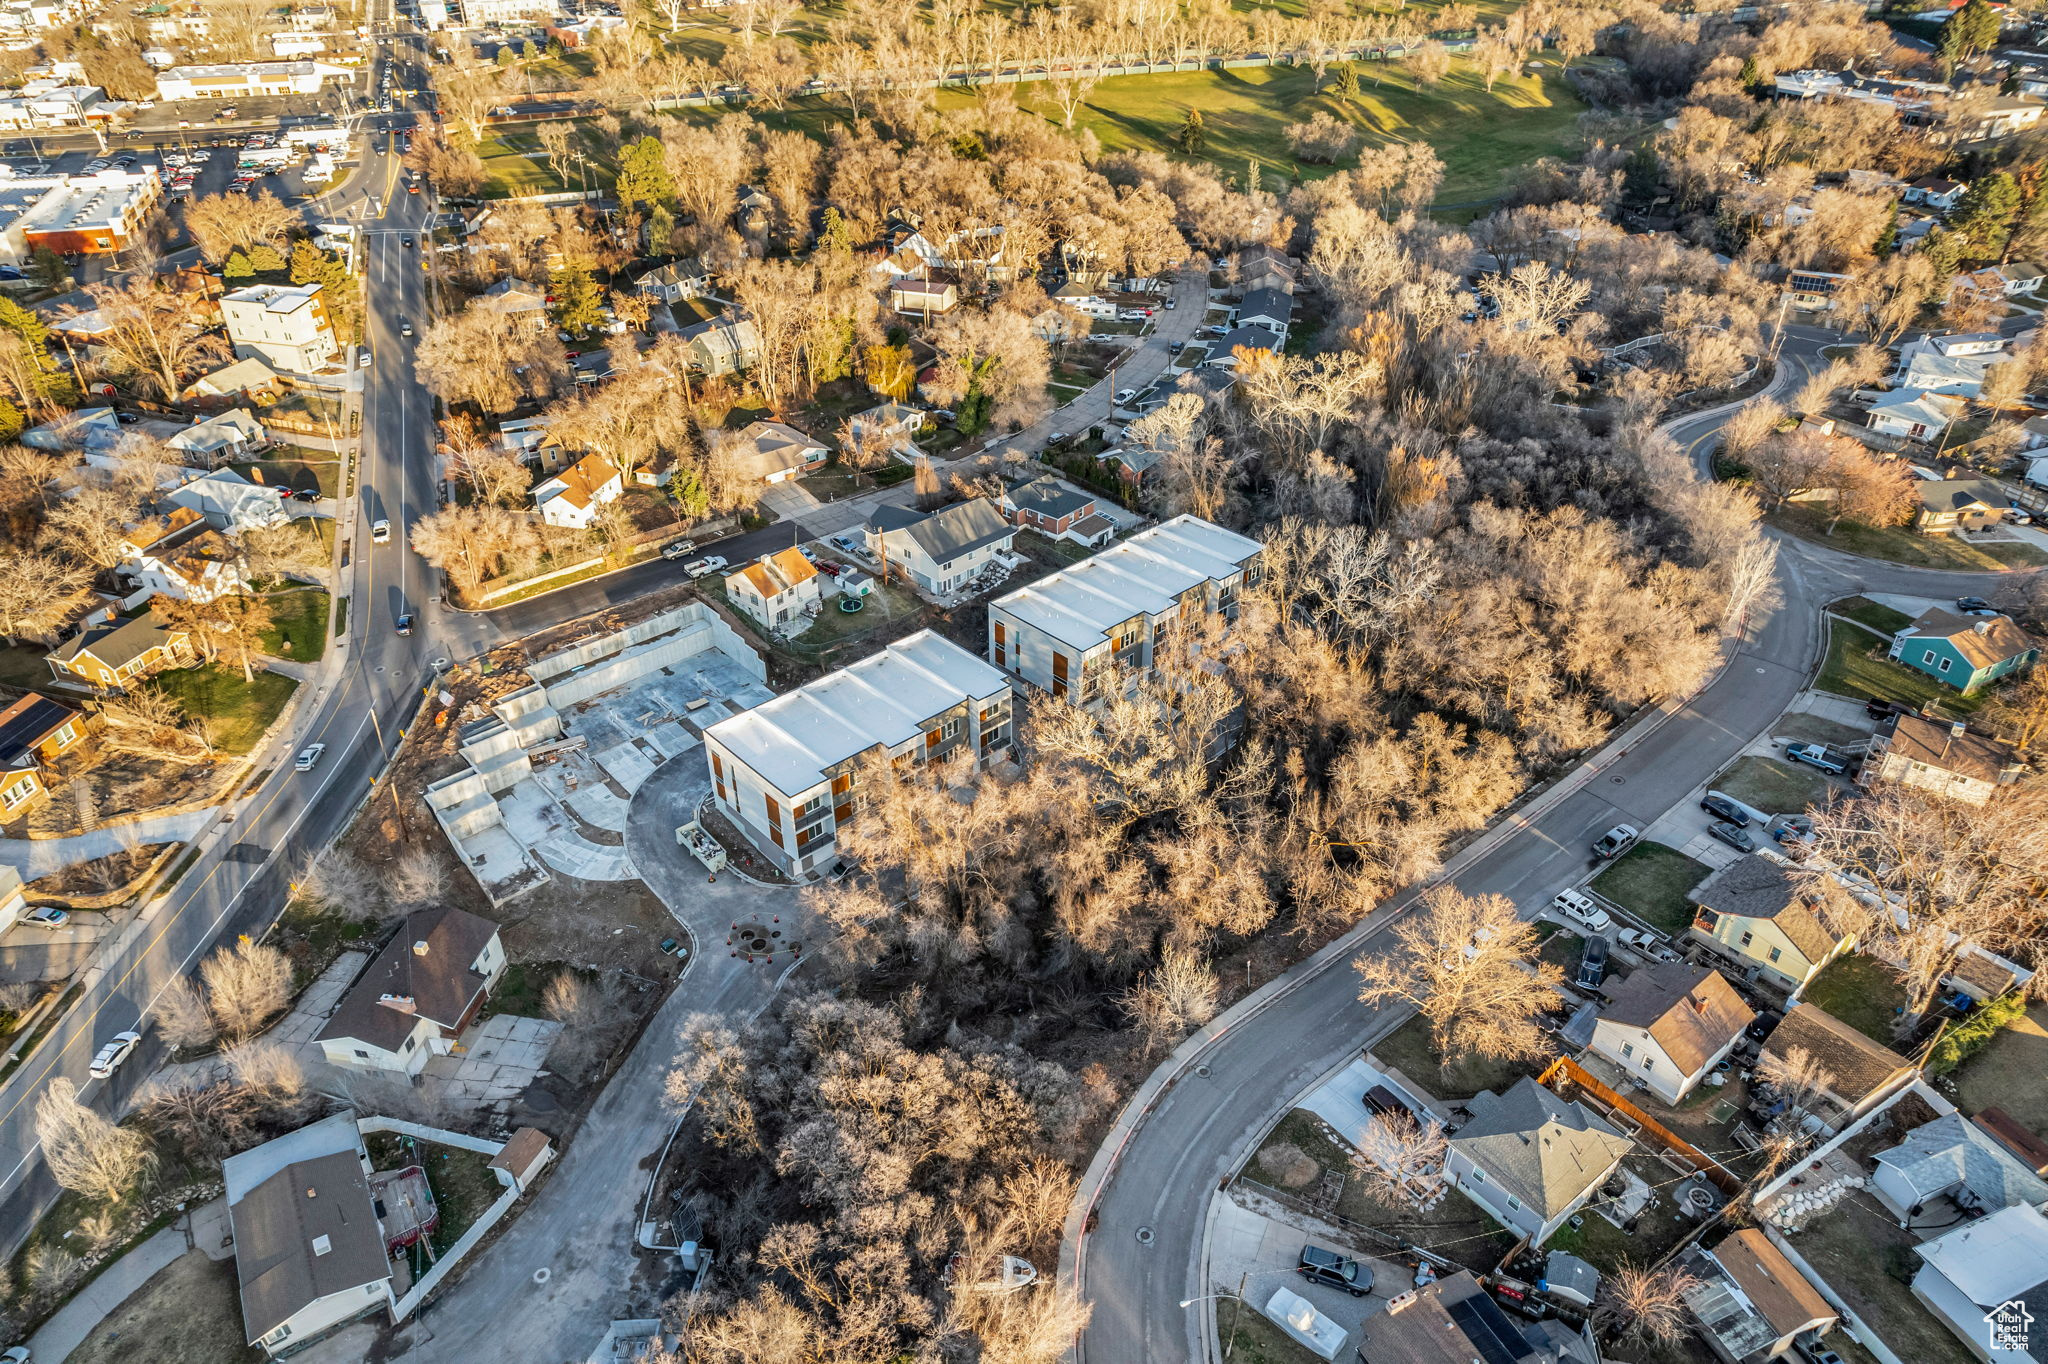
<point x="1972" y="29"/>
<point x="1887" y="243"/>
<point x="1752" y="75"/>
<point x="265" y="258"/>
<point x="237" y="266"/>
<point x="1347" y="81"/>
<point x="1192" y="138"/>
<point x="579" y="304"/>
<point x="1984" y="217"/>
<point x="505" y="56"/>
<point x="686" y="488"/>
<point x="643" y="175"/>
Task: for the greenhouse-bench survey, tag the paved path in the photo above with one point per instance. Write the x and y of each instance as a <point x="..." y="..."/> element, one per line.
<point x="1143" y="363"/>
<point x="74" y="1321"/>
<point x="34" y="857"/>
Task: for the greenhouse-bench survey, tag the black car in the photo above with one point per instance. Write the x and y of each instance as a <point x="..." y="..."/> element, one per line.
<point x="1593" y="965"/>
<point x="406" y="242"/>
<point x="1385" y="1102"/>
<point x="1972" y="604"/>
<point x="1878" y="708"/>
<point x="1328" y="1267"/>
<point x="1720" y="807"/>
<point x="1813" y="1351"/>
<point x="1734" y="835"/>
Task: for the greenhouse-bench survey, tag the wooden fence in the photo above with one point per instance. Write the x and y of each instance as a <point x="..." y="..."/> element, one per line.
<point x="1576" y="1074"/>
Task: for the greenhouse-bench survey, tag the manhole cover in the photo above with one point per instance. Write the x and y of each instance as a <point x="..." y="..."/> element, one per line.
<point x="1617" y="780"/>
<point x="1144" y="1236"/>
<point x="542" y="1275"/>
<point x="1202" y="1071"/>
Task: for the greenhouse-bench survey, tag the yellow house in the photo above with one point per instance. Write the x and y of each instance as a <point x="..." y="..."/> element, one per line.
<point x="1754" y="913"/>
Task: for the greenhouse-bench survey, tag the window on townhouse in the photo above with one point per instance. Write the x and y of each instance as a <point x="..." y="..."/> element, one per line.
<point x="1628" y="1049"/>
<point x="951" y="731"/>
<point x="1746" y="938"/>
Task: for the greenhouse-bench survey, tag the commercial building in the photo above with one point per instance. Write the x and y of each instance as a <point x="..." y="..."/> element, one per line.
<point x="287" y="328"/>
<point x="243" y="80"/>
<point x="785" y="771"/>
<point x="74" y="214"/>
<point x="1081" y="630"/>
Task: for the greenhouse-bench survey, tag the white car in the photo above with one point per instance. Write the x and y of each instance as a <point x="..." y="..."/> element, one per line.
<point x="113" y="1054"/>
<point x="1124" y="396"/>
<point x="1647" y="945"/>
<point x="380" y="532"/>
<point x="706" y="566"/>
<point x="1578" y="906"/>
<point x="46" y="916"/>
<point x="309" y="757"/>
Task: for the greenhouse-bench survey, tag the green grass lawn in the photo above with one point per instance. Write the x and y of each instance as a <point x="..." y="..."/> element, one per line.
<point x="1774" y="787"/>
<point x="324" y="474"/>
<point x="2011" y="1072"/>
<point x="22" y="665"/>
<point x="1478" y="134"/>
<point x="1407" y="1049"/>
<point x="509" y="172"/>
<point x="1250" y="1337"/>
<point x="239" y="711"/>
<point x="1900" y="545"/>
<point x="1876" y="615"/>
<point x="1856" y="666"/>
<point x="1861" y="991"/>
<point x="1651" y="880"/>
<point x="301" y="618"/>
<point x="1861" y="1253"/>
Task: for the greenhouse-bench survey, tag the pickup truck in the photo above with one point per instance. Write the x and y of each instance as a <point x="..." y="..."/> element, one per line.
<point x="1816" y="755"/>
<point x="705" y="567"/>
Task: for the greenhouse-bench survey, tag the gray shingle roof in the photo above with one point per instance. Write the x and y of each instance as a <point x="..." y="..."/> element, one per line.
<point x="119" y="642"/>
<point x="1543" y="1149"/>
<point x="949" y="532"/>
<point x="1267" y="303"/>
<point x="1047" y="496"/>
<point x="1950" y="1151"/>
<point x="303" y="1222"/>
<point x="1756" y="887"/>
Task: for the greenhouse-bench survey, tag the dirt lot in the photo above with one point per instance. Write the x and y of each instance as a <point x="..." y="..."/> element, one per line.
<point x="190" y="1311"/>
<point x="98" y="877"/>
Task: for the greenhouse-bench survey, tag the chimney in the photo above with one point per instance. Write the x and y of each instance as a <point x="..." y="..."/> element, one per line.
<point x="322" y="1244"/>
<point x="1983" y="627"/>
<point x="419" y="948"/>
<point x="1401" y="1302"/>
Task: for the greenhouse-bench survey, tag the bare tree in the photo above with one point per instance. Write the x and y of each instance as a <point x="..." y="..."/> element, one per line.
<point x="154" y="334"/>
<point x="40" y="594"/>
<point x="247" y="985"/>
<point x="1461" y="962"/>
<point x="1181" y="995"/>
<point x="1799" y="1077"/>
<point x="87" y="1153"/>
<point x="1646" y="1305"/>
<point x="272" y="1077"/>
<point x="149" y="721"/>
<point x="416" y="878"/>
<point x="182" y="1016"/>
<point x="343" y="885"/>
<point x="222" y="224"/>
<point x="491" y="358"/>
<point x="569" y="1001"/>
<point x="1402" y="1156"/>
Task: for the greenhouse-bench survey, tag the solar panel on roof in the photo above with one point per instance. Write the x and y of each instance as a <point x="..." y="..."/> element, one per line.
<point x="1488" y="1328"/>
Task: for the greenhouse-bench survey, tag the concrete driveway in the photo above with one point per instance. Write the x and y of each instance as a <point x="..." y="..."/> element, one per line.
<point x="1256" y="1244"/>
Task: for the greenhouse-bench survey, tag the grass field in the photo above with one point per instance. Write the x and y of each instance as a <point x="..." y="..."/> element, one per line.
<point x="239" y="711"/>
<point x="189" y="1310"/>
<point x="1774" y="787"/>
<point x="2011" y="1072"/>
<point x="324" y="474"/>
<point x="1864" y="1256"/>
<point x="1898" y="545"/>
<point x="1876" y="615"/>
<point x="1856" y="666"/>
<point x="300" y="617"/>
<point x="1652" y="880"/>
<point x="1408" y="1050"/>
<point x="509" y="171"/>
<point x="1861" y="991"/>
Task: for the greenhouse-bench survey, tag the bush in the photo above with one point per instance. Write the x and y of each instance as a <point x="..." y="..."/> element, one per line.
<point x="1970" y="1036"/>
<point x="1322" y="139"/>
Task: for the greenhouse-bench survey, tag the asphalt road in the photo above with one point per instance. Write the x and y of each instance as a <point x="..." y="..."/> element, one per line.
<point x="1204" y="1126"/>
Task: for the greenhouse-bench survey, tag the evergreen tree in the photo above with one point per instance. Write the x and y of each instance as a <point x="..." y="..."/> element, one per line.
<point x="1251" y="175"/>
<point x="1972" y="29"/>
<point x="505" y="56"/>
<point x="1640" y="177"/>
<point x="837" y="238"/>
<point x="24" y="324"/>
<point x="237" y="266"/>
<point x="643" y="175"/>
<point x="686" y="488"/>
<point x="579" y="303"/>
<point x="1752" y="75"/>
<point x="1983" y="218"/>
<point x="661" y="231"/>
<point x="265" y="259"/>
<point x="1192" y="137"/>
<point x="1887" y="243"/>
<point x="50" y="270"/>
<point x="1347" y="81"/>
<point x="11" y="420"/>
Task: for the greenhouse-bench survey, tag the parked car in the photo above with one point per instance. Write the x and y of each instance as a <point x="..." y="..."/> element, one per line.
<point x="1973" y="606"/>
<point x="1578" y="906"/>
<point x="1328" y="1267"/>
<point x="1877" y="708"/>
<point x="306" y="494"/>
<point x="2019" y="516"/>
<point x="1383" y="1101"/>
<point x="1647" y="945"/>
<point x="1593" y="964"/>
<point x="363" y="360"/>
<point x="1722" y="807"/>
<point x="1813" y="1351"/>
<point x="830" y="569"/>
<point x="14" y="1354"/>
<point x="1124" y="396"/>
<point x="380" y="532"/>
<point x="678" y="549"/>
<point x="1056" y="438"/>
<point x="1792" y="829"/>
<point x="1816" y="755"/>
<point x="1616" y="841"/>
<point x="1734" y="835"/>
<point x="406" y="242"/>
<point x="706" y="566"/>
<point x="47" y="916"/>
<point x="847" y="543"/>
<point x="309" y="757"/>
<point x="113" y="1054"/>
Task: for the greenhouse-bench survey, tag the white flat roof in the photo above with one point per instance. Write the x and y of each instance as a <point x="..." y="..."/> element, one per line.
<point x="884" y="699"/>
<point x="1146" y="574"/>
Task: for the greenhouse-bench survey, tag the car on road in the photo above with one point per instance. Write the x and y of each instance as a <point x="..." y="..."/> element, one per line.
<point x="309" y="757"/>
<point x="380" y="532"/>
<point x="1169" y="305"/>
<point x="1734" y="835"/>
<point x="1056" y="438"/>
<point x="113" y="1054"/>
<point x="1124" y="395"/>
<point x="404" y="327"/>
<point x="46" y="916"/>
<point x="1578" y="906"/>
<point x="1593" y="963"/>
<point x="1816" y="755"/>
<point x="14" y="1354"/>
<point x="679" y="549"/>
<point x="1328" y="1267"/>
<point x="1647" y="945"/>
<point x="1974" y="606"/>
<point x="1722" y="807"/>
<point x="1616" y="841"/>
<point x="405" y="623"/>
<point x="706" y="566"/>
<point x="406" y="242"/>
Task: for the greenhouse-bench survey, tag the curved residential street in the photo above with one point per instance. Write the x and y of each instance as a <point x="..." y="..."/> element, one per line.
<point x="1145" y="1200"/>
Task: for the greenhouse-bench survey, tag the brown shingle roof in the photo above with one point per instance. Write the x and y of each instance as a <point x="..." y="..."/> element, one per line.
<point x="308" y="1231"/>
<point x="1691" y="1011"/>
<point x="1938" y="745"/>
<point x="1998" y="640"/>
<point x="1771" y="1282"/>
<point x="438" y="981"/>
<point x="1857" y="1067"/>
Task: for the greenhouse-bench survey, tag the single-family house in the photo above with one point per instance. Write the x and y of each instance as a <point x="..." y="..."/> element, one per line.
<point x="417" y="997"/>
<point x="1669" y="1024"/>
<point x="1225" y="352"/>
<point x="34" y="732"/>
<point x="1261" y="267"/>
<point x="218" y="439"/>
<point x="1936" y="192"/>
<point x="1757" y="914"/>
<point x="1134" y="463"/>
<point x="1058" y="509"/>
<point x="1953" y="1158"/>
<point x="1963" y="343"/>
<point x="1083" y="298"/>
<point x="786" y="772"/>
<point x="928" y="295"/>
<point x="2011" y="280"/>
<point x="723" y="345"/>
<point x="940" y="551"/>
<point x="1988" y="1282"/>
<point x="1751" y="1300"/>
<point x="2035" y="433"/>
<point x="1270" y="309"/>
<point x="779" y="590"/>
<point x="528" y="438"/>
<point x="1928" y="369"/>
<point x="1965" y="652"/>
<point x="1953" y="504"/>
<point x="91" y="429"/>
<point x="1945" y="758"/>
<point x="230" y="502"/>
<point x="676" y="281"/>
<point x="242" y="380"/>
<point x="1531" y="1158"/>
<point x="1083" y="631"/>
<point x="572" y="497"/>
<point x="516" y="298"/>
<point x="890" y="422"/>
<point x="773" y="452"/>
<point x="117" y="653"/>
<point x="1857" y="1073"/>
<point x="198" y="565"/>
<point x="1453" y="1320"/>
<point x="1912" y="413"/>
<point x="310" y="1250"/>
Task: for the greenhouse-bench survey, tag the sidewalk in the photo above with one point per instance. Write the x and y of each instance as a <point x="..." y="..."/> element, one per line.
<point x="34" y="857"/>
<point x="75" y="1320"/>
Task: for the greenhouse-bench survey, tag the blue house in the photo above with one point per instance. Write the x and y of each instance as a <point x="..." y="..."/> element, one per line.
<point x="1965" y="652"/>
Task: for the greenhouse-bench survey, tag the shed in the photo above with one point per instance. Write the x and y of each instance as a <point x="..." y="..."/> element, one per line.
<point x="524" y="1157"/>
